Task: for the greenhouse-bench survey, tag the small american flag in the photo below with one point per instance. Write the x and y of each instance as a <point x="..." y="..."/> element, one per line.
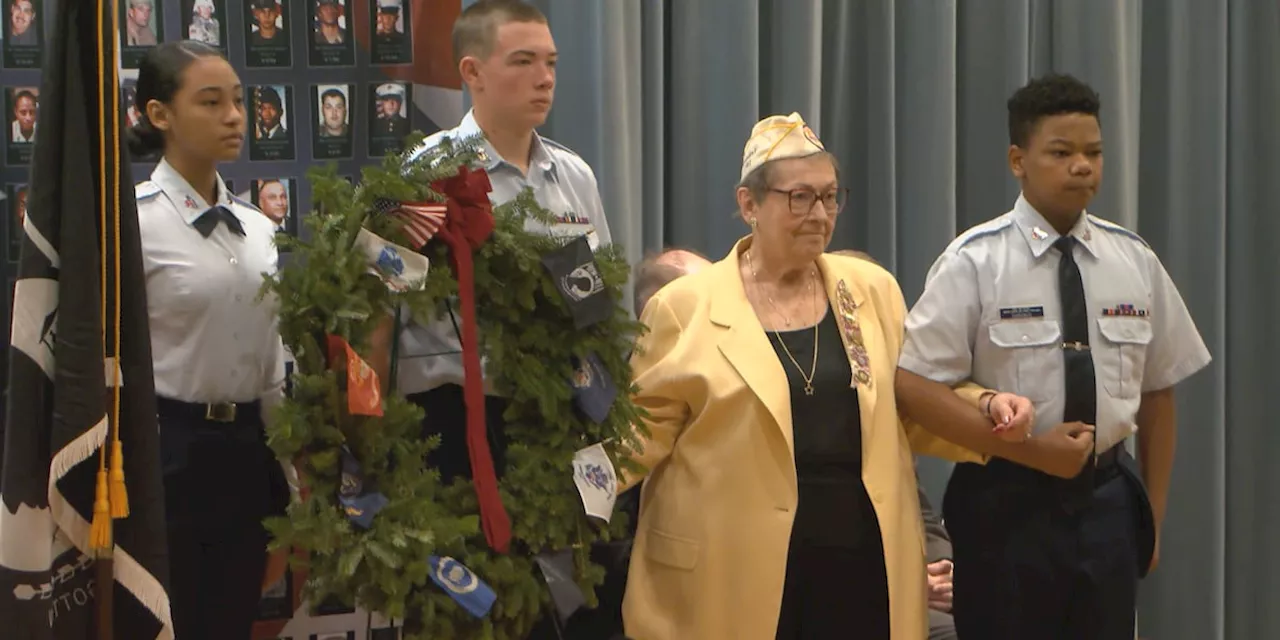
<point x="421" y="221"/>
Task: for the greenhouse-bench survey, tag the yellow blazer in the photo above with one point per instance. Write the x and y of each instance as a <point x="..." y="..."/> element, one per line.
<point x="718" y="504"/>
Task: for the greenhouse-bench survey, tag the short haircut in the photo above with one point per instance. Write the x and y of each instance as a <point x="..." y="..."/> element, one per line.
<point x="1050" y="95"/>
<point x="652" y="275"/>
<point x="476" y="29"/>
<point x="332" y="93"/>
<point x="854" y="253"/>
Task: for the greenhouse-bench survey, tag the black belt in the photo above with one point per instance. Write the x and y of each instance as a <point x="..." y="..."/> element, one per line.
<point x="219" y="412"/>
<point x="1108" y="458"/>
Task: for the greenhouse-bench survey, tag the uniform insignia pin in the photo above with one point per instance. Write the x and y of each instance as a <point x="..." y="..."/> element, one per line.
<point x="1038" y="233"/>
<point x="191" y="203"/>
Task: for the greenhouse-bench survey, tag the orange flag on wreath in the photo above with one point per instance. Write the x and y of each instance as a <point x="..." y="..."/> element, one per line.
<point x="364" y="395"/>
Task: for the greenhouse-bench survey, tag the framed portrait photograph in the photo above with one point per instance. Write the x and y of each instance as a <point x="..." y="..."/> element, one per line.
<point x="271" y="128"/>
<point x="129" y="101"/>
<point x="141" y="27"/>
<point x="331" y="132"/>
<point x="330" y="43"/>
<point x="391" y="37"/>
<point x="277" y="198"/>
<point x="205" y="21"/>
<point x="21" y="108"/>
<point x="23" y="33"/>
<point x="15" y="197"/>
<point x="266" y="38"/>
<point x="388" y="117"/>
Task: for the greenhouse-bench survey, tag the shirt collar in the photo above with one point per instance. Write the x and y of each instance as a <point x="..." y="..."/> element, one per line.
<point x="539" y="155"/>
<point x="1040" y="235"/>
<point x="185" y="199"/>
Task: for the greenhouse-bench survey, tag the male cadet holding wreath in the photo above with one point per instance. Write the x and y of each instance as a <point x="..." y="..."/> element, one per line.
<point x="506" y="56"/>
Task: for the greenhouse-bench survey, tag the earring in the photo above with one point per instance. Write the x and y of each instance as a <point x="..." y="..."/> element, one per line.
<point x="753" y="223"/>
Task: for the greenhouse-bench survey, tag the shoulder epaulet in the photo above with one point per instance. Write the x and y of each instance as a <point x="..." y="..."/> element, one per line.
<point x="428" y="143"/>
<point x="145" y="189"/>
<point x="559" y="147"/>
<point x="989" y="228"/>
<point x="244" y="203"/>
<point x="1117" y="229"/>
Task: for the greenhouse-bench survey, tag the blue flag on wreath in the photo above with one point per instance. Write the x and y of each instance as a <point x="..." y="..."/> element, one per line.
<point x="462" y="584"/>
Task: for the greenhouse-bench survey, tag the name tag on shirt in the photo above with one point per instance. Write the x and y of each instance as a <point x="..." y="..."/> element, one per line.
<point x="1021" y="313"/>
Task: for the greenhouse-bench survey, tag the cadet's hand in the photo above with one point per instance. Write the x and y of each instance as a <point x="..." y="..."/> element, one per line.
<point x="1063" y="450"/>
<point x="1012" y="415"/>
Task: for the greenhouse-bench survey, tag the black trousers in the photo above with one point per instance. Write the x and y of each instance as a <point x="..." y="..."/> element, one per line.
<point x="220" y="482"/>
<point x="1031" y="565"/>
<point x="446" y="416"/>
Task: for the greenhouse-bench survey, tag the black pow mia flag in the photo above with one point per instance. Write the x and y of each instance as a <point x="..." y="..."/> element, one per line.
<point x="79" y="335"/>
<point x="577" y="276"/>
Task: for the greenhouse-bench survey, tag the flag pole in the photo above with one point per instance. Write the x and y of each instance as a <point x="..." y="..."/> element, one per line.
<point x="108" y="130"/>
<point x="103" y="591"/>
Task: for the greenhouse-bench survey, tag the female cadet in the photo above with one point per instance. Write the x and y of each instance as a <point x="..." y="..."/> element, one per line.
<point x="219" y="361"/>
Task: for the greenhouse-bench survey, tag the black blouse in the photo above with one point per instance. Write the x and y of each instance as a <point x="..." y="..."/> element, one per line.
<point x="834" y="509"/>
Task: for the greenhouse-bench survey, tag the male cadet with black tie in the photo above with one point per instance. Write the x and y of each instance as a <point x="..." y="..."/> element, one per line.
<point x="1078" y="314"/>
<point x="507" y="57"/>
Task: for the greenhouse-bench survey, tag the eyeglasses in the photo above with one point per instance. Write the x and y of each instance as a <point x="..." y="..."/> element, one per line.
<point x="802" y="200"/>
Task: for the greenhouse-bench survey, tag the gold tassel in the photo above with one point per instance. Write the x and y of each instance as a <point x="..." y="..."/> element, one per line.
<point x="119" y="494"/>
<point x="100" y="532"/>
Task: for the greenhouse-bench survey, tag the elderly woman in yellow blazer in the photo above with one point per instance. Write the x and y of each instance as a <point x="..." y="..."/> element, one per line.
<point x="780" y="500"/>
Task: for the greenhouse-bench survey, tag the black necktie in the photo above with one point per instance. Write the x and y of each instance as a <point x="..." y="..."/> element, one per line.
<point x="1081" y="390"/>
<point x="209" y="220"/>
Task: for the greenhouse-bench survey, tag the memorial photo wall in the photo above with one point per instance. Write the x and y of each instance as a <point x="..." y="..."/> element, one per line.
<point x="326" y="81"/>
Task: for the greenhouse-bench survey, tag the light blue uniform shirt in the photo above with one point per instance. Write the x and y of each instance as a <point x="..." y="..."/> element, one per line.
<point x="990" y="312"/>
<point x="430" y="355"/>
<point x="212" y="338"/>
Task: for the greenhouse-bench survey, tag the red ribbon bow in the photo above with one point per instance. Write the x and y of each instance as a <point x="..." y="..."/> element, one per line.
<point x="467" y="225"/>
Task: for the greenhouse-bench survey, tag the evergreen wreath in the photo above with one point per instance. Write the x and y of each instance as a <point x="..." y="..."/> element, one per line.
<point x="528" y="337"/>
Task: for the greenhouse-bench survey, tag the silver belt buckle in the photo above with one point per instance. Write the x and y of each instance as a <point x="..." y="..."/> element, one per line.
<point x="1075" y="346"/>
<point x="220" y="412"/>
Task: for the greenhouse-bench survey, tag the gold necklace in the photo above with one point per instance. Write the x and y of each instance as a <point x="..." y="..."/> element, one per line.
<point x="813" y="366"/>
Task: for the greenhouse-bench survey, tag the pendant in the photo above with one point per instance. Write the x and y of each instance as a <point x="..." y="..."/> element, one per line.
<point x="808" y="389"/>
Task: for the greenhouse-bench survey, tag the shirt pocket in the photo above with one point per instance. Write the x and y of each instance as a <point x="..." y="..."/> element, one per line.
<point x="1032" y="350"/>
<point x="1122" y="356"/>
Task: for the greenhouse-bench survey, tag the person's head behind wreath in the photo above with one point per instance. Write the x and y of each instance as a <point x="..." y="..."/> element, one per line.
<point x="658" y="270"/>
<point x="789" y="193"/>
<point x="506" y="56"/>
